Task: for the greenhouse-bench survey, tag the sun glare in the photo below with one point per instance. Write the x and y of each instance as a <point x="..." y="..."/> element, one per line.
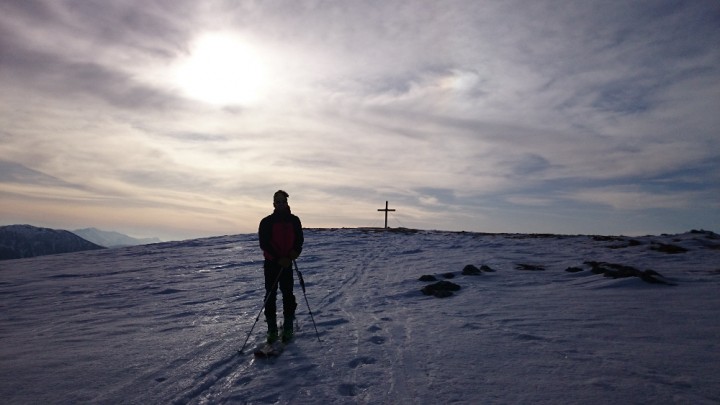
<point x="221" y="69"/>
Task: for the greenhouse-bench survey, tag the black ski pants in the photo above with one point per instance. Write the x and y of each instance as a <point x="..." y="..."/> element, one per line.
<point x="276" y="276"/>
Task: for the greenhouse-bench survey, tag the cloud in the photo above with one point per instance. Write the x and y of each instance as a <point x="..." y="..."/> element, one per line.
<point x="634" y="198"/>
<point x="14" y="173"/>
<point x="465" y="114"/>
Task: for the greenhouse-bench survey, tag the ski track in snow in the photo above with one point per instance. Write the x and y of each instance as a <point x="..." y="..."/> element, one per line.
<point x="163" y="323"/>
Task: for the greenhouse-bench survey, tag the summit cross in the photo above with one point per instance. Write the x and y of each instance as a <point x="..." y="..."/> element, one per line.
<point x="386" y="209"/>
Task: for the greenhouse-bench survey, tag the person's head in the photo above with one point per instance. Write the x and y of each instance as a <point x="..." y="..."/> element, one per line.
<point x="280" y="199"/>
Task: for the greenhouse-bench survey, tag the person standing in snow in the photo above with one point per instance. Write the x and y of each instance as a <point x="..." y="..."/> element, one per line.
<point x="281" y="240"/>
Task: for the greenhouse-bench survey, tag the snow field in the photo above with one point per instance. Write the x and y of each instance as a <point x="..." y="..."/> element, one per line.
<point x="162" y="323"/>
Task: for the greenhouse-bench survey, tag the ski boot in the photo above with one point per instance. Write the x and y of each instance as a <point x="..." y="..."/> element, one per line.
<point x="272" y="336"/>
<point x="287" y="333"/>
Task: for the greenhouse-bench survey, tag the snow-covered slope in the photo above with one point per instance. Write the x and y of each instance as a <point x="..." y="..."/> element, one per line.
<point x="163" y="323"/>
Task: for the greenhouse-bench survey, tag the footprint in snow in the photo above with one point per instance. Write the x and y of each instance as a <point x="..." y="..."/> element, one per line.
<point x="378" y="340"/>
<point x="243" y="381"/>
<point x="361" y="361"/>
<point x="374" y="328"/>
<point x="348" y="390"/>
<point x="333" y="322"/>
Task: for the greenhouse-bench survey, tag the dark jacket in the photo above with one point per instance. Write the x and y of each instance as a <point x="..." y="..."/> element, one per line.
<point x="280" y="233"/>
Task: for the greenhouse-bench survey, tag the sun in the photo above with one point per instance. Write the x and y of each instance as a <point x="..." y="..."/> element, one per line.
<point x="222" y="69"/>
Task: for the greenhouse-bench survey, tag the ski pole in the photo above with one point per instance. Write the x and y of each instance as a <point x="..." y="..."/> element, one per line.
<point x="302" y="284"/>
<point x="267" y="297"/>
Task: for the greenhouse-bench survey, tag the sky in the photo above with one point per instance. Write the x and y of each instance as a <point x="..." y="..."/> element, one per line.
<point x="180" y="119"/>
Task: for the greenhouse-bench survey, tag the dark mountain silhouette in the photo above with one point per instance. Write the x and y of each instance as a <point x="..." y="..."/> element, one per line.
<point x="21" y="241"/>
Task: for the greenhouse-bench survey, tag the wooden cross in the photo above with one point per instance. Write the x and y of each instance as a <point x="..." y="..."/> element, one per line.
<point x="386" y="211"/>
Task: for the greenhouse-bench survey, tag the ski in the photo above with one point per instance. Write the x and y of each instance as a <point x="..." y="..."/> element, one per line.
<point x="268" y="350"/>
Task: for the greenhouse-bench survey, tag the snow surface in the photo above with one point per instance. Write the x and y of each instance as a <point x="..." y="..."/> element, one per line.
<point x="163" y="323"/>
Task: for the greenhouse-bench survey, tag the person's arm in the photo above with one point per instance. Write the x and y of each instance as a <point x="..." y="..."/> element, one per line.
<point x="264" y="234"/>
<point x="299" y="237"/>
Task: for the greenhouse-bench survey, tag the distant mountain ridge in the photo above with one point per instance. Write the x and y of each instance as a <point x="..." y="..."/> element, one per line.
<point x="22" y="241"/>
<point x="112" y="239"/>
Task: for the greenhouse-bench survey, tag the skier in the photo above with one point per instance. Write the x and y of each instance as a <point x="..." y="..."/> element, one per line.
<point x="281" y="240"/>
